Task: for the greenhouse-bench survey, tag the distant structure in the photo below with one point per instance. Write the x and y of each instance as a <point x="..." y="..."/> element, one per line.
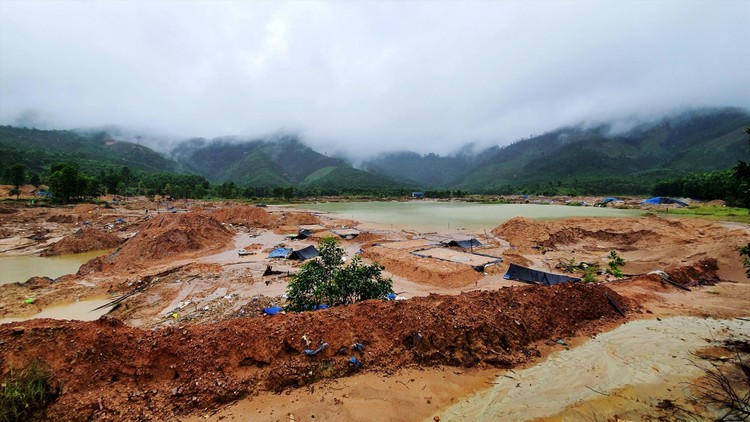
<point x="419" y="195"/>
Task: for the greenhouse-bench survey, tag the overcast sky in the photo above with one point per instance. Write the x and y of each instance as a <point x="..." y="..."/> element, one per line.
<point x="361" y="77"/>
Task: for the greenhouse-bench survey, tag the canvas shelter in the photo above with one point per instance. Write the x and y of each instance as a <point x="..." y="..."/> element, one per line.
<point x="466" y="244"/>
<point x="527" y="275"/>
<point x="304" y="253"/>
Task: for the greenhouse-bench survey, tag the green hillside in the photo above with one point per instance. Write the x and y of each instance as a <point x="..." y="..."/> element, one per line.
<point x="693" y="142"/>
<point x="38" y="149"/>
<point x="280" y="161"/>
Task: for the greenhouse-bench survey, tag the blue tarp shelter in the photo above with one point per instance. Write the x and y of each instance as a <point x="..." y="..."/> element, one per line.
<point x="664" y="200"/>
<point x="280" y="253"/>
<point x="609" y="199"/>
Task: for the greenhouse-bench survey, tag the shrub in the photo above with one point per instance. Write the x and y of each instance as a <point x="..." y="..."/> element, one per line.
<point x="326" y="280"/>
<point x="25" y="392"/>
<point x="615" y="261"/>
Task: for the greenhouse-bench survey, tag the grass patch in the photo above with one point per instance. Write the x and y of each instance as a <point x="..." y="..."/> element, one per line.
<point x="25" y="392"/>
<point x="711" y="212"/>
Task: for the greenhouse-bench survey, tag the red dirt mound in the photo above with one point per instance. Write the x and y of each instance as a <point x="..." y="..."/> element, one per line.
<point x="83" y="240"/>
<point x="168" y="236"/>
<point x="422" y="270"/>
<point x="701" y="273"/>
<point x="249" y="216"/>
<point x="112" y="372"/>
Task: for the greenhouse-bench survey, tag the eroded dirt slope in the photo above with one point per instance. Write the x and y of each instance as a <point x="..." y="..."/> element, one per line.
<point x="112" y="372"/>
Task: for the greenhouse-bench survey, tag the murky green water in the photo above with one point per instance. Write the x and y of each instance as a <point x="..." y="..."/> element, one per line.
<point x="21" y="268"/>
<point x="81" y="311"/>
<point x="436" y="216"/>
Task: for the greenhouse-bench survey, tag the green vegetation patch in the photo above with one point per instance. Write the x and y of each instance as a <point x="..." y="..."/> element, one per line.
<point x="26" y="392"/>
<point x="712" y="212"/>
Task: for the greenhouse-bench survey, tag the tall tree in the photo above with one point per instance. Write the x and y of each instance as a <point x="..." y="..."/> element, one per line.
<point x="741" y="173"/>
<point x="17" y="177"/>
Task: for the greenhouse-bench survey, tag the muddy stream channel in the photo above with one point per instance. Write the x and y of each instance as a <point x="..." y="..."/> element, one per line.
<point x="629" y="369"/>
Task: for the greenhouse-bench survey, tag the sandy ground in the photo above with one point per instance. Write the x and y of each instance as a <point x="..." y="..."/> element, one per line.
<point x="199" y="278"/>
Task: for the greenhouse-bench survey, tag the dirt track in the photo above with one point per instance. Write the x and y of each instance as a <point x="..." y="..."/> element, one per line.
<point x="112" y="372"/>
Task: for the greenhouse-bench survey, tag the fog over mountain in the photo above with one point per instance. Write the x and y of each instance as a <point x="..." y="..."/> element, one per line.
<point x="359" y="78"/>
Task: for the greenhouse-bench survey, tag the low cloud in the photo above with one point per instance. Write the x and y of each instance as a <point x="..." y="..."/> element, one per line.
<point x="364" y="77"/>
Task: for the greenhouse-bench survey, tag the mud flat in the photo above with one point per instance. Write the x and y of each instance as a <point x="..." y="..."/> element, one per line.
<point x="649" y="355"/>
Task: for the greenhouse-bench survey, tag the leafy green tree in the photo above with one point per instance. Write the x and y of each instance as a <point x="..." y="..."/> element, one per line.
<point x="66" y="182"/>
<point x="326" y="280"/>
<point x="17" y="175"/>
<point x="35" y="180"/>
<point x="745" y="253"/>
<point x="741" y="173"/>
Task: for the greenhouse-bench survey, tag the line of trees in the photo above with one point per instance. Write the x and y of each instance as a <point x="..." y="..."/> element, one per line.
<point x="731" y="185"/>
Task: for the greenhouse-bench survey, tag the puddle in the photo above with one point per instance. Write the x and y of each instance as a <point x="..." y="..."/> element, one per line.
<point x="437" y="216"/>
<point x="640" y="356"/>
<point x="20" y="268"/>
<point x="81" y="311"/>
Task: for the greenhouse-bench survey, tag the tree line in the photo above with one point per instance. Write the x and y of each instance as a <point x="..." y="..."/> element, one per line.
<point x="731" y="185"/>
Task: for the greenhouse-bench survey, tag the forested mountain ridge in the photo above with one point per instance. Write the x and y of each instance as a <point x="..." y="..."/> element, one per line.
<point x="576" y="159"/>
<point x="588" y="158"/>
<point x="277" y="161"/>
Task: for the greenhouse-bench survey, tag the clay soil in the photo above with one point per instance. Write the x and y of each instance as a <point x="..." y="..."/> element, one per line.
<point x="192" y="337"/>
<point x="111" y="372"/>
<point x="84" y="240"/>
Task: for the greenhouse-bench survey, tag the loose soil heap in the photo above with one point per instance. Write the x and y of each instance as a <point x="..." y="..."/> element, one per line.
<point x="168" y="236"/>
<point x="647" y="244"/>
<point x="84" y="240"/>
<point x="422" y="270"/>
<point x="112" y="372"/>
<point x="248" y="216"/>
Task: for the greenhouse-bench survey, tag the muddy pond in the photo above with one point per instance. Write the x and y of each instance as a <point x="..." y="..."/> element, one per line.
<point x="441" y="216"/>
<point x="21" y="268"/>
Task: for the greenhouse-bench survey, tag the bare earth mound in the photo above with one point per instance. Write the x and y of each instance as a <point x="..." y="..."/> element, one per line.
<point x="249" y="216"/>
<point x="168" y="236"/>
<point x="84" y="240"/>
<point x="112" y="372"/>
<point x="422" y="270"/>
<point x="647" y="243"/>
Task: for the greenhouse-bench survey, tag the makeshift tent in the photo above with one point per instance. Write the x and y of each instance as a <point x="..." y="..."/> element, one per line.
<point x="303" y="254"/>
<point x="527" y="275"/>
<point x="609" y="199"/>
<point x="280" y="253"/>
<point x="304" y="234"/>
<point x="466" y="244"/>
<point x="664" y="200"/>
<point x="347" y="234"/>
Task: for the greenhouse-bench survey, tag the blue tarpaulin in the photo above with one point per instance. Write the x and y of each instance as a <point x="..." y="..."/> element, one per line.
<point x="664" y="200"/>
<point x="273" y="310"/>
<point x="609" y="199"/>
<point x="280" y="253"/>
<point x="310" y="352"/>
